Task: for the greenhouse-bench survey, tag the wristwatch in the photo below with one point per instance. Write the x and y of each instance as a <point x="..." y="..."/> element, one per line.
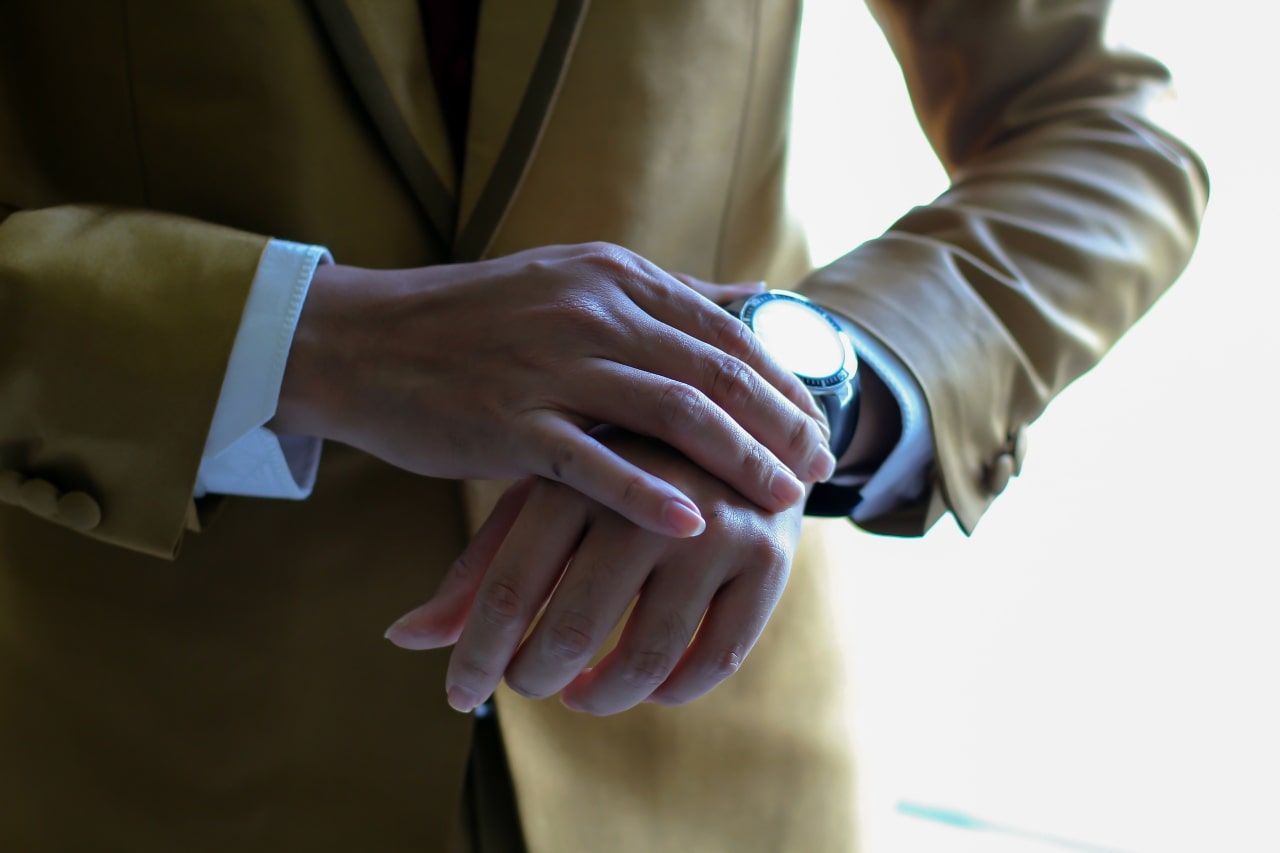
<point x="811" y="343"/>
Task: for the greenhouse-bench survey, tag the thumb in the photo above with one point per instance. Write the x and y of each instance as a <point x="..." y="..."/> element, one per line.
<point x="439" y="622"/>
<point x="721" y="294"/>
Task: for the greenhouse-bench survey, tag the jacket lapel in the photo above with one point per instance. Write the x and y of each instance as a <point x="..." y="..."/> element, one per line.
<point x="383" y="48"/>
<point x="523" y="47"/>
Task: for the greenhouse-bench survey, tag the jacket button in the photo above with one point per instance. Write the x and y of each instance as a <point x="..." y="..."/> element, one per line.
<point x="10" y="486"/>
<point x="39" y="496"/>
<point x="999" y="473"/>
<point x="79" y="511"/>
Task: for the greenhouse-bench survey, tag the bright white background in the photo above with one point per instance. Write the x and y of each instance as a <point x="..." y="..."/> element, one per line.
<point x="1100" y="661"/>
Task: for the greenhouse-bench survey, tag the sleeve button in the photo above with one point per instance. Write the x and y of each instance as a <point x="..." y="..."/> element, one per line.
<point x="79" y="511"/>
<point x="39" y="496"/>
<point x="999" y="473"/>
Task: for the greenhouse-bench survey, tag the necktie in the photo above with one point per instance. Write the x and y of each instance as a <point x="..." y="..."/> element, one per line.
<point x="450" y="30"/>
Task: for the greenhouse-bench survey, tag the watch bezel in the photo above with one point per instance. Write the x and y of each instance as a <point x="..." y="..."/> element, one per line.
<point x="831" y="382"/>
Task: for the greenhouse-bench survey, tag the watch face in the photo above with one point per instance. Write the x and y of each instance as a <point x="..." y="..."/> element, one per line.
<point x="799" y="336"/>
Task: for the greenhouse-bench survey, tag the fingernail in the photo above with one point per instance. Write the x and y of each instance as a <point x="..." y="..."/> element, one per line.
<point x="822" y="465"/>
<point x="685" y="520"/>
<point x="401" y="631"/>
<point x="462" y="700"/>
<point x="785" y="487"/>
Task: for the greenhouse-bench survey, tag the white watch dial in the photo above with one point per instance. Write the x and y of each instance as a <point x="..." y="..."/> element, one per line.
<point x="800" y="338"/>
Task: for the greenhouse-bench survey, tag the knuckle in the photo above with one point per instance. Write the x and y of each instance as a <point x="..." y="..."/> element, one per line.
<point x="675" y="630"/>
<point x="501" y="603"/>
<point x="757" y="464"/>
<point x="802" y="436"/>
<point x="603" y="249"/>
<point x="771" y="580"/>
<point x="727" y="661"/>
<point x="678" y="404"/>
<point x="766" y="553"/>
<point x="611" y="259"/>
<point x="629" y="271"/>
<point x="572" y="637"/>
<point x="520" y="687"/>
<point x="647" y="668"/>
<point x="730" y="335"/>
<point x="475" y="671"/>
<point x="563" y="455"/>
<point x="634" y="491"/>
<point x="731" y="380"/>
<point x="462" y="568"/>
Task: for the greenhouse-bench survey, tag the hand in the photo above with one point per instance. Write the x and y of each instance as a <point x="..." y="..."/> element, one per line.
<point x="724" y="585"/>
<point x="500" y="369"/>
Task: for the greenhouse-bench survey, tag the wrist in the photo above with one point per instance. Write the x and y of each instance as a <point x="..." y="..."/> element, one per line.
<point x="879" y="424"/>
<point x="315" y="373"/>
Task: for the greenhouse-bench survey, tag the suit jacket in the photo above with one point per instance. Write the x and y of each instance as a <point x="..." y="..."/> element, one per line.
<point x="239" y="695"/>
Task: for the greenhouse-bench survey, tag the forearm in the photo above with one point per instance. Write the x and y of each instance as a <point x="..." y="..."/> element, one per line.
<point x="1069" y="214"/>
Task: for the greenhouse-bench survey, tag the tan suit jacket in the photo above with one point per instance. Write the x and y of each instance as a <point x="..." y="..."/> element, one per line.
<point x="239" y="695"/>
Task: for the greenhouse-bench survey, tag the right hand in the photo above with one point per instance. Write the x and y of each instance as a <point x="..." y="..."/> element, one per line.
<point x="501" y="369"/>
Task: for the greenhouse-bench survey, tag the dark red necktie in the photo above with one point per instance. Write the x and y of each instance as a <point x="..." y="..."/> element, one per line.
<point x="450" y="30"/>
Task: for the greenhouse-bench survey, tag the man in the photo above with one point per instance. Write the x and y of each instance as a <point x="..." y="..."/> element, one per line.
<point x="493" y="276"/>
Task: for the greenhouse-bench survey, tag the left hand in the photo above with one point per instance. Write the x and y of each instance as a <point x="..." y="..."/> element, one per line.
<point x="547" y="544"/>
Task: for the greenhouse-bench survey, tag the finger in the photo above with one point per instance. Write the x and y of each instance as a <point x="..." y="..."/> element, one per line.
<point x="573" y="457"/>
<point x="439" y="622"/>
<point x="734" y="621"/>
<point x="660" y="296"/>
<point x="521" y="576"/>
<point x="685" y="418"/>
<point x="720" y="294"/>
<point x="655" y="638"/>
<point x="603" y="578"/>
<point x="799" y="439"/>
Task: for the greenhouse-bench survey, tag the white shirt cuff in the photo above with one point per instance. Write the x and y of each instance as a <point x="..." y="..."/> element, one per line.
<point x="241" y="456"/>
<point x="902" y="477"/>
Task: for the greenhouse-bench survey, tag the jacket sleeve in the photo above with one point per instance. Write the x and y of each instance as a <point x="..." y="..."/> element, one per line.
<point x="115" y="330"/>
<point x="1068" y="214"/>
